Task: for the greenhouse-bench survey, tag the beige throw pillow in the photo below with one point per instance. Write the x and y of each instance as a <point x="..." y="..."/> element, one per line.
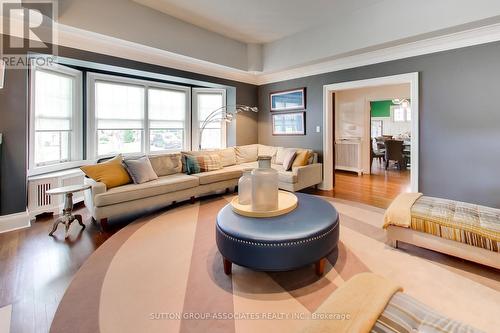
<point x="281" y="153"/>
<point x="166" y="164"/>
<point x="288" y="160"/>
<point x="140" y="170"/>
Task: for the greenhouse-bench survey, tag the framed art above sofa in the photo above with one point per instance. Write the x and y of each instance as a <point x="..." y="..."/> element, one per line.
<point x="294" y="99"/>
<point x="290" y="123"/>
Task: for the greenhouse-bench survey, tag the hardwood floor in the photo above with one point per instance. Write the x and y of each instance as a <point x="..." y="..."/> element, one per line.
<point x="377" y="189"/>
<point x="35" y="269"/>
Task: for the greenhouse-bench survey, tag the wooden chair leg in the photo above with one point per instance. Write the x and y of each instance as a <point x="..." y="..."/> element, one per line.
<point x="192" y="200"/>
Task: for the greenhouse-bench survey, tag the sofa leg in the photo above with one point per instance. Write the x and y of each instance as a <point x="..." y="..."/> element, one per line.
<point x="227" y="190"/>
<point x="104" y="224"/>
<point x="192" y="200"/>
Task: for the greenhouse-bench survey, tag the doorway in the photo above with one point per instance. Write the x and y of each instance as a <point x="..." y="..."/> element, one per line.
<point x="330" y="95"/>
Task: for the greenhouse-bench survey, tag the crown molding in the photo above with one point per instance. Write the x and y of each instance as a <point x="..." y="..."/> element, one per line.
<point x="99" y="43"/>
<point x="477" y="36"/>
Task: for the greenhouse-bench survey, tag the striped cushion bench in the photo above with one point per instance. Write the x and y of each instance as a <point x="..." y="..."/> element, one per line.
<point x="404" y="314"/>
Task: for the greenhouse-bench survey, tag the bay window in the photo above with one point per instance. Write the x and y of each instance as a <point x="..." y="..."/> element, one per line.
<point x="55" y="117"/>
<point x="131" y="116"/>
<point x="123" y="116"/>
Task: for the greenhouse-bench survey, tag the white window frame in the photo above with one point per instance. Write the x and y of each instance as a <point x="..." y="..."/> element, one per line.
<point x="76" y="149"/>
<point x="405" y="115"/>
<point x="196" y="128"/>
<point x="92" y="121"/>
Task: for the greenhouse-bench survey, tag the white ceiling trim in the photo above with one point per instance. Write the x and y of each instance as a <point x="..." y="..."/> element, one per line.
<point x="471" y="37"/>
<point x="94" y="42"/>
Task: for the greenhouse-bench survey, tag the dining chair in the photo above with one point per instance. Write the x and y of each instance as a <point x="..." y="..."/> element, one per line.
<point x="394" y="152"/>
<point x="378" y="154"/>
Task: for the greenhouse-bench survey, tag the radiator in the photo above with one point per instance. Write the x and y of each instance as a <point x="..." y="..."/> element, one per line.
<point x="40" y="202"/>
<point x="348" y="155"/>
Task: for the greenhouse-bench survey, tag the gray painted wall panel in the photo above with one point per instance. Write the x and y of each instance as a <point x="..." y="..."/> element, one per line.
<point x="13" y="124"/>
<point x="459" y="118"/>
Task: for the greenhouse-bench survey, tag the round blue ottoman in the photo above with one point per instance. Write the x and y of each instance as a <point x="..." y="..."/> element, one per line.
<point x="302" y="237"/>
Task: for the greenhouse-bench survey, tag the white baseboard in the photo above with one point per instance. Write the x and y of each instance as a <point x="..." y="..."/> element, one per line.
<point x="14" y="221"/>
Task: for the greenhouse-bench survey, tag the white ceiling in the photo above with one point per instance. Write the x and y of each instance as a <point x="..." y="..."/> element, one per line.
<point x="257" y="21"/>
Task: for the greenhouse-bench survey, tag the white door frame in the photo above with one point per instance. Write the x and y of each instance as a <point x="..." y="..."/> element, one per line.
<point x="328" y="140"/>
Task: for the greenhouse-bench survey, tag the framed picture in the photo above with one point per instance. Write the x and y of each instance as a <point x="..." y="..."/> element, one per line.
<point x="289" y="123"/>
<point x="288" y="100"/>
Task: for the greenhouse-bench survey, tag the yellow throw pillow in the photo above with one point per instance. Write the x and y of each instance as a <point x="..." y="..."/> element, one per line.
<point x="112" y="173"/>
<point x="302" y="158"/>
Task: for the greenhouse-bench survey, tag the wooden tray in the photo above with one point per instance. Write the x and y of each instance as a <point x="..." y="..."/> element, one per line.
<point x="286" y="203"/>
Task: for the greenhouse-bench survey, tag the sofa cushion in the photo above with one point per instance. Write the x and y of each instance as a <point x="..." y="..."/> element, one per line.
<point x="162" y="185"/>
<point x="268" y="151"/>
<point x="228" y="156"/>
<point x="283" y="175"/>
<point x="227" y="173"/>
<point x="249" y="165"/>
<point x="248" y="153"/>
<point x="112" y="173"/>
<point x="166" y="164"/>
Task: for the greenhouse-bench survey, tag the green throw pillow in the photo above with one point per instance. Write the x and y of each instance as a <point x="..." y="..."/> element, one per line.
<point x="192" y="165"/>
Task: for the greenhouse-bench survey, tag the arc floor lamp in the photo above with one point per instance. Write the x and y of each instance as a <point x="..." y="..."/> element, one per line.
<point x="224" y="114"/>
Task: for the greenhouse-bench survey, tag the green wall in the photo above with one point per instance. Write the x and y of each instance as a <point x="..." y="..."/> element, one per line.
<point x="380" y="109"/>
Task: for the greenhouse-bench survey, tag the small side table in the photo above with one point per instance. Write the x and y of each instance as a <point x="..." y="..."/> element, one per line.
<point x="67" y="216"/>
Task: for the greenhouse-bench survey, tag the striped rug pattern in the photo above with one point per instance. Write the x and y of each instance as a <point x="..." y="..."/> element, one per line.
<point x="163" y="273"/>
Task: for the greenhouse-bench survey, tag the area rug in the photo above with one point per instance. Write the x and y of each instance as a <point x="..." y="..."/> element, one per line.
<point x="163" y="273"/>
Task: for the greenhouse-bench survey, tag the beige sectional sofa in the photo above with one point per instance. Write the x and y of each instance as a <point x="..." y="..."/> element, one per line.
<point x="174" y="185"/>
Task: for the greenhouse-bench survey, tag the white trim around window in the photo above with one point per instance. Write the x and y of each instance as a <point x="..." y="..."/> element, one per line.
<point x="92" y="78"/>
<point x="75" y="147"/>
<point x="196" y="120"/>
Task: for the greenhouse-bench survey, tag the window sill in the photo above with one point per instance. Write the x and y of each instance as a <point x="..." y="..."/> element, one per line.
<point x="57" y="168"/>
<point x="63" y="173"/>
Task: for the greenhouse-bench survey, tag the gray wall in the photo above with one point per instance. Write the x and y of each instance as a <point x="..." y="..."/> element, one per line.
<point x="459" y="118"/>
<point x="14" y="114"/>
<point x="13" y="125"/>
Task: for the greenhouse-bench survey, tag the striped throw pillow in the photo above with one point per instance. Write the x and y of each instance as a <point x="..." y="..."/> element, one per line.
<point x="202" y="163"/>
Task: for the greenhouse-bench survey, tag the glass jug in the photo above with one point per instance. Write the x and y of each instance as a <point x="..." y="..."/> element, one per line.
<point x="245" y="188"/>
<point x="264" y="186"/>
